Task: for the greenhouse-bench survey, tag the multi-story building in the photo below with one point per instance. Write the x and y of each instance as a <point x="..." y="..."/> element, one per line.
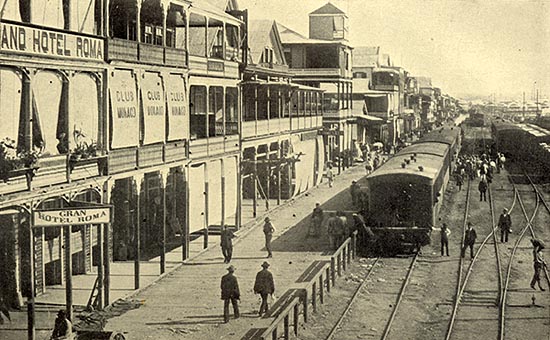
<point x="115" y="103"/>
<point x="283" y="154"/>
<point x="323" y="60"/>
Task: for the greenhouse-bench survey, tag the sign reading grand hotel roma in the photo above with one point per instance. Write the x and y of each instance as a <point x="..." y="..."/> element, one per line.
<point x="71" y="216"/>
<point x="29" y="40"/>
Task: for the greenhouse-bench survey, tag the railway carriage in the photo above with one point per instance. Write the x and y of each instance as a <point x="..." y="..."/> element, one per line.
<point x="404" y="195"/>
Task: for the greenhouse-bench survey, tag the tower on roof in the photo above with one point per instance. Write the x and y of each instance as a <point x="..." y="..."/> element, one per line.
<point x="328" y="23"/>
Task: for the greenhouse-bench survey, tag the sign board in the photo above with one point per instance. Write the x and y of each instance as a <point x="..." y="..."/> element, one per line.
<point x="36" y="41"/>
<point x="71" y="216"/>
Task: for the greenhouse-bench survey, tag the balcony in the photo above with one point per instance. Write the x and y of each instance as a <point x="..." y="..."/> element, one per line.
<point x="213" y="67"/>
<point x="382" y="87"/>
<point x="317" y="72"/>
<point x="132" y="51"/>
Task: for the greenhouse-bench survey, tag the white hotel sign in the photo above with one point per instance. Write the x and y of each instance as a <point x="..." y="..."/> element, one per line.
<point x="37" y="41"/>
<point x="72" y="216"/>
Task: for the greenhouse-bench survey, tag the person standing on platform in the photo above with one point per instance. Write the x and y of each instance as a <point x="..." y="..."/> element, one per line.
<point x="317" y="218"/>
<point x="264" y="285"/>
<point x="505" y="225"/>
<point x="330" y="176"/>
<point x="538" y="262"/>
<point x="445" y="233"/>
<point x="226" y="237"/>
<point x="230" y="293"/>
<point x="354" y="191"/>
<point x="469" y="240"/>
<point x="482" y="187"/>
<point x="268" y="232"/>
<point x="459" y="181"/>
<point x="343" y="228"/>
<point x="333" y="226"/>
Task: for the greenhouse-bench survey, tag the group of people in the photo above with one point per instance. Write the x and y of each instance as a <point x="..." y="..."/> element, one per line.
<point x="264" y="285"/>
<point x="473" y="166"/>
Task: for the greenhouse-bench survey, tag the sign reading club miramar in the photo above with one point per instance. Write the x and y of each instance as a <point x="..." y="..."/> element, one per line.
<point x="36" y="41"/>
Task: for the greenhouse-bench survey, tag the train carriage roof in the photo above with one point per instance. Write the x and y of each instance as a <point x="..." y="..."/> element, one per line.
<point x="477" y="133"/>
<point x="442" y="135"/>
<point x="536" y="131"/>
<point x="431" y="165"/>
<point x="437" y="149"/>
<point x="502" y="126"/>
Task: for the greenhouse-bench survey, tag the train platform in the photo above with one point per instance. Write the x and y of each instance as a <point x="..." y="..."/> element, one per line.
<point x="185" y="303"/>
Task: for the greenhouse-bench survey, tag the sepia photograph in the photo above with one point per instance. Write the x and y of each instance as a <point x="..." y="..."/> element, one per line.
<point x="274" y="169"/>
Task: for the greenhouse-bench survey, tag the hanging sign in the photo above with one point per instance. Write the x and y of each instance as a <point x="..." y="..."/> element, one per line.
<point x="71" y="216"/>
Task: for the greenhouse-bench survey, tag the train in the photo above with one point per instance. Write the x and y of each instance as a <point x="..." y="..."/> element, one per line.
<point x="404" y="195"/>
<point x="527" y="144"/>
<point x="476" y="118"/>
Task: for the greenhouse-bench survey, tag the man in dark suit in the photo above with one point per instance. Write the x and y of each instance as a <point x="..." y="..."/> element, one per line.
<point x="227" y="243"/>
<point x="264" y="286"/>
<point x="469" y="240"/>
<point x="505" y="224"/>
<point x="230" y="293"/>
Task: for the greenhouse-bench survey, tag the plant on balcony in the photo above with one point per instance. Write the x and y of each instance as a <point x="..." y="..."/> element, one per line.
<point x="83" y="149"/>
<point x="11" y="159"/>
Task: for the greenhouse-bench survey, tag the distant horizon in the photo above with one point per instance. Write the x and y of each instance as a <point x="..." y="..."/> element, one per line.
<point x="467" y="47"/>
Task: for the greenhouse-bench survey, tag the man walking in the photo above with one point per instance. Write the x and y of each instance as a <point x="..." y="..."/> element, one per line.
<point x="268" y="232"/>
<point x="226" y="237"/>
<point x="482" y="190"/>
<point x="230" y="293"/>
<point x="505" y="225"/>
<point x="330" y="176"/>
<point x="445" y="232"/>
<point x="317" y="219"/>
<point x="538" y="262"/>
<point x="354" y="191"/>
<point x="459" y="181"/>
<point x="469" y="240"/>
<point x="264" y="286"/>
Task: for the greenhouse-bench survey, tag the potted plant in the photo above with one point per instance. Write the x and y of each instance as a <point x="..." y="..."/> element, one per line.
<point x="83" y="149"/>
<point x="11" y="159"/>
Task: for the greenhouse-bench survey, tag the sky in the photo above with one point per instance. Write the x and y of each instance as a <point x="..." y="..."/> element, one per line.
<point x="470" y="48"/>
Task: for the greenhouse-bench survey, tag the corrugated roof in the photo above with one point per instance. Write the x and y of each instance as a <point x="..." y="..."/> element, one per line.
<point x="442" y="135"/>
<point x="329" y="8"/>
<point x="431" y="166"/>
<point x="436" y="149"/>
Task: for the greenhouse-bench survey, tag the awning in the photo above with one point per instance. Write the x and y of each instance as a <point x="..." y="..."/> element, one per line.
<point x="124" y="109"/>
<point x="178" y="115"/>
<point x="154" y="108"/>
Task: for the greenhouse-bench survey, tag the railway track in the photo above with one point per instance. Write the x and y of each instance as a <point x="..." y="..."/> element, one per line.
<point x="394" y="284"/>
<point x="475" y="297"/>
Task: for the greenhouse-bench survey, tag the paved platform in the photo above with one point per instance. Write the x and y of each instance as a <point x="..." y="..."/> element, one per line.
<point x="186" y="303"/>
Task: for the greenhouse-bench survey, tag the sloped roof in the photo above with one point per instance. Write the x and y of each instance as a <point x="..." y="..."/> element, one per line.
<point x="424" y="81"/>
<point x="222" y="4"/>
<point x="364" y="56"/>
<point x="289" y="36"/>
<point x="329" y="8"/>
<point x="258" y="37"/>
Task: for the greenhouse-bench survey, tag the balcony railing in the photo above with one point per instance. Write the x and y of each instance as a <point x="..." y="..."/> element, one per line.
<point x="317" y="72"/>
<point x="132" y="51"/>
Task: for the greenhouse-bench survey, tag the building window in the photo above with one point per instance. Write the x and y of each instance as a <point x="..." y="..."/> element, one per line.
<point x="231" y="111"/>
<point x="215" y="111"/>
<point x="197" y="108"/>
<point x="249" y="103"/>
<point x="274" y="106"/>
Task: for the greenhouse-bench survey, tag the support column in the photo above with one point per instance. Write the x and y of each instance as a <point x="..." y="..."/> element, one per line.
<point x="164" y="175"/>
<point x="205" y="231"/>
<point x="238" y="213"/>
<point x="185" y="226"/>
<point x="139" y="179"/>
<point x="138" y="21"/>
<point x="100" y="267"/>
<point x="280" y="155"/>
<point x="31" y="332"/>
<point x="255" y="184"/>
<point x="165" y="5"/>
<point x="223" y="191"/>
<point x="68" y="273"/>
<point x="108" y="187"/>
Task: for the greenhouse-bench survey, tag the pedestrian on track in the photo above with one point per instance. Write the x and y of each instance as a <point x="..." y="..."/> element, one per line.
<point x="482" y="187"/>
<point x="445" y="233"/>
<point x="226" y="237"/>
<point x="264" y="285"/>
<point x="505" y="225"/>
<point x="459" y="181"/>
<point x="538" y="262"/>
<point x="469" y="240"/>
<point x="230" y="293"/>
<point x="268" y="232"/>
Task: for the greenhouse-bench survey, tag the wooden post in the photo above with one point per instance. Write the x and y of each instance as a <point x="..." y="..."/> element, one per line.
<point x="286" y="333"/>
<point x="348" y="252"/>
<point x="344" y="255"/>
<point x="107" y="248"/>
<point x="354" y="244"/>
<point x="267" y="180"/>
<point x="321" y="289"/>
<point x="274" y="335"/>
<point x="30" y="300"/>
<point x="185" y="226"/>
<point x="139" y="183"/>
<point x="255" y="186"/>
<point x="314" y="296"/>
<point x="164" y="174"/>
<point x="100" y="266"/>
<point x="306" y="306"/>
<point x="333" y="270"/>
<point x="280" y="155"/>
<point x="339" y="264"/>
<point x="206" y="198"/>
<point x="328" y="279"/>
<point x="295" y="319"/>
<point x="68" y="273"/>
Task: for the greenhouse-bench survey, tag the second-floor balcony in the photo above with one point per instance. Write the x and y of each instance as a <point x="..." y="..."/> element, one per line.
<point x="318" y="72"/>
<point x="133" y="51"/>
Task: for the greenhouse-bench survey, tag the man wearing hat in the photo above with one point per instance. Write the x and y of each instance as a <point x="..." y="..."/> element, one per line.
<point x="230" y="293"/>
<point x="264" y="286"/>
<point x="268" y="232"/>
<point x="63" y="329"/>
<point x="505" y="225"/>
<point x="469" y="240"/>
